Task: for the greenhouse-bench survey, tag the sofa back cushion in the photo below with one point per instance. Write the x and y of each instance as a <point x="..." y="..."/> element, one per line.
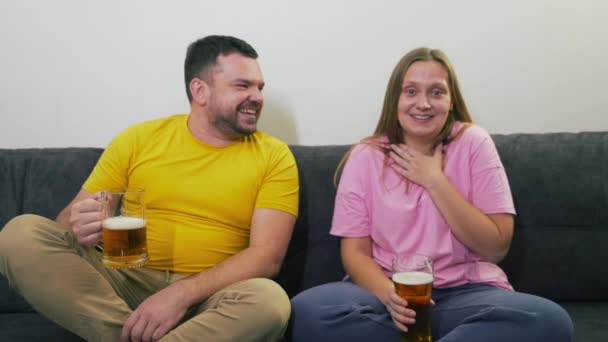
<point x="12" y="171"/>
<point x="39" y="181"/>
<point x="313" y="257"/>
<point x="42" y="181"/>
<point x="559" y="183"/>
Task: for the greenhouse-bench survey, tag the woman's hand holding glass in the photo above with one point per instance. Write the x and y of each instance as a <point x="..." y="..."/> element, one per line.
<point x="400" y="313"/>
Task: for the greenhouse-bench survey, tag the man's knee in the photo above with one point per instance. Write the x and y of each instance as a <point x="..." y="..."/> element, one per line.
<point x="272" y="299"/>
<point x="22" y="237"/>
<point x="261" y="305"/>
<point x="16" y="234"/>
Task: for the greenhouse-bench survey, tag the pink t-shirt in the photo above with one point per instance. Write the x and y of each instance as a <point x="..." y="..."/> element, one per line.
<point x="372" y="201"/>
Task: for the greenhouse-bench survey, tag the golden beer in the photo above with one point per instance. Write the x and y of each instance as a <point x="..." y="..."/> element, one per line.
<point x="415" y="288"/>
<point x="413" y="280"/>
<point x="124" y="242"/>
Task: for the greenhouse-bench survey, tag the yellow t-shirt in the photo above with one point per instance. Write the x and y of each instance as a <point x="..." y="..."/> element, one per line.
<point x="199" y="198"/>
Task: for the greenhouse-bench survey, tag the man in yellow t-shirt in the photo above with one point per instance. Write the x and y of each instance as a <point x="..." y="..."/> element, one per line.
<point x="221" y="201"/>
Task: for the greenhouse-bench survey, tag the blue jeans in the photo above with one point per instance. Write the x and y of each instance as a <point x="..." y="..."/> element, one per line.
<point x="343" y="311"/>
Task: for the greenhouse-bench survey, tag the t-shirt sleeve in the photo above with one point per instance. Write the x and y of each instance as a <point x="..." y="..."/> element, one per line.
<point x="280" y="187"/>
<point x="111" y="170"/>
<point x="351" y="216"/>
<point x="491" y="191"/>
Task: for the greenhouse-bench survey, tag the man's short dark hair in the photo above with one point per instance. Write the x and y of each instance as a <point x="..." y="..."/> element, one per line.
<point x="202" y="55"/>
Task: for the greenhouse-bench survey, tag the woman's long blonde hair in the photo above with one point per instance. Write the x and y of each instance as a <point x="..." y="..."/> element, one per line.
<point x="388" y="124"/>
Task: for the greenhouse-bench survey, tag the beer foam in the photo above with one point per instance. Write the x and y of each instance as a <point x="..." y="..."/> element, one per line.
<point x="123" y="223"/>
<point x="412" y="278"/>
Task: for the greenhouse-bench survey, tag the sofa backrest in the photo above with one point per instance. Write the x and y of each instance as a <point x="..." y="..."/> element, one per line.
<point x="38" y="181"/>
<point x="313" y="257"/>
<point x="42" y="181"/>
<point x="559" y="183"/>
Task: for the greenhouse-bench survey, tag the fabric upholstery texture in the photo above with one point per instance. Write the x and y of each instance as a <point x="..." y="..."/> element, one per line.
<point x="559" y="183"/>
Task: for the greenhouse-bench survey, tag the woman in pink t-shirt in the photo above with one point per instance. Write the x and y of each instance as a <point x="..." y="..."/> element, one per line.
<point x="427" y="182"/>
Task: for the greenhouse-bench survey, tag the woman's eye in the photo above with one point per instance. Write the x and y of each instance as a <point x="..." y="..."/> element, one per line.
<point x="410" y="91"/>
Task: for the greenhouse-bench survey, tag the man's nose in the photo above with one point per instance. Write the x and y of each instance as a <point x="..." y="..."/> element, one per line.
<point x="256" y="95"/>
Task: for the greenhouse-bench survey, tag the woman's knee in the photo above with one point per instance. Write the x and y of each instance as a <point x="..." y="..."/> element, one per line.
<point x="337" y="311"/>
<point x="555" y="321"/>
<point x="550" y="321"/>
<point x="305" y="323"/>
<point x="542" y="320"/>
<point x="307" y="304"/>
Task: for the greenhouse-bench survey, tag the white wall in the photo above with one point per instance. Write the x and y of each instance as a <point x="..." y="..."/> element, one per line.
<point x="76" y="72"/>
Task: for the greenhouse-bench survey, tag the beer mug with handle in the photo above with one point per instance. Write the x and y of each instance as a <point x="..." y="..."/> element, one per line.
<point x="124" y="228"/>
<point x="413" y="280"/>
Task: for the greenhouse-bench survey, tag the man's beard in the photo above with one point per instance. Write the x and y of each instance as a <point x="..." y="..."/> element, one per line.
<point x="228" y="121"/>
<point x="230" y="124"/>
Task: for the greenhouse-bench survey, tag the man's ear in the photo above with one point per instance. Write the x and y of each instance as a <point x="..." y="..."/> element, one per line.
<point x="199" y="90"/>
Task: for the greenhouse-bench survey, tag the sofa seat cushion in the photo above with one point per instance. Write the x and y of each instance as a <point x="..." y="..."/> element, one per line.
<point x="32" y="327"/>
<point x="10" y="300"/>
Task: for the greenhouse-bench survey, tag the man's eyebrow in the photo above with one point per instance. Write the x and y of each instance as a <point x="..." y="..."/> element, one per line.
<point x="249" y="82"/>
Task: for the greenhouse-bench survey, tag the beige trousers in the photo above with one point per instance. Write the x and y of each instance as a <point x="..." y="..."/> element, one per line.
<point x="68" y="284"/>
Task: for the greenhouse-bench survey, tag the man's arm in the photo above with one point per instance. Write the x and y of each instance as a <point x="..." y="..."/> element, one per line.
<point x="270" y="234"/>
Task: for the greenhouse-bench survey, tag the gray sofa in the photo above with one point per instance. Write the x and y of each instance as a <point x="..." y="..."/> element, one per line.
<point x="560" y="247"/>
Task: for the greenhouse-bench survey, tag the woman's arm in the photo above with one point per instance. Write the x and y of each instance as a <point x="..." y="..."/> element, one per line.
<point x="488" y="235"/>
<point x="365" y="272"/>
<point x="357" y="258"/>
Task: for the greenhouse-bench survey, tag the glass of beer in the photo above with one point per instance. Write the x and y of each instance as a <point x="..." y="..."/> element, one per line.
<point x="413" y="280"/>
<point x="124" y="228"/>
